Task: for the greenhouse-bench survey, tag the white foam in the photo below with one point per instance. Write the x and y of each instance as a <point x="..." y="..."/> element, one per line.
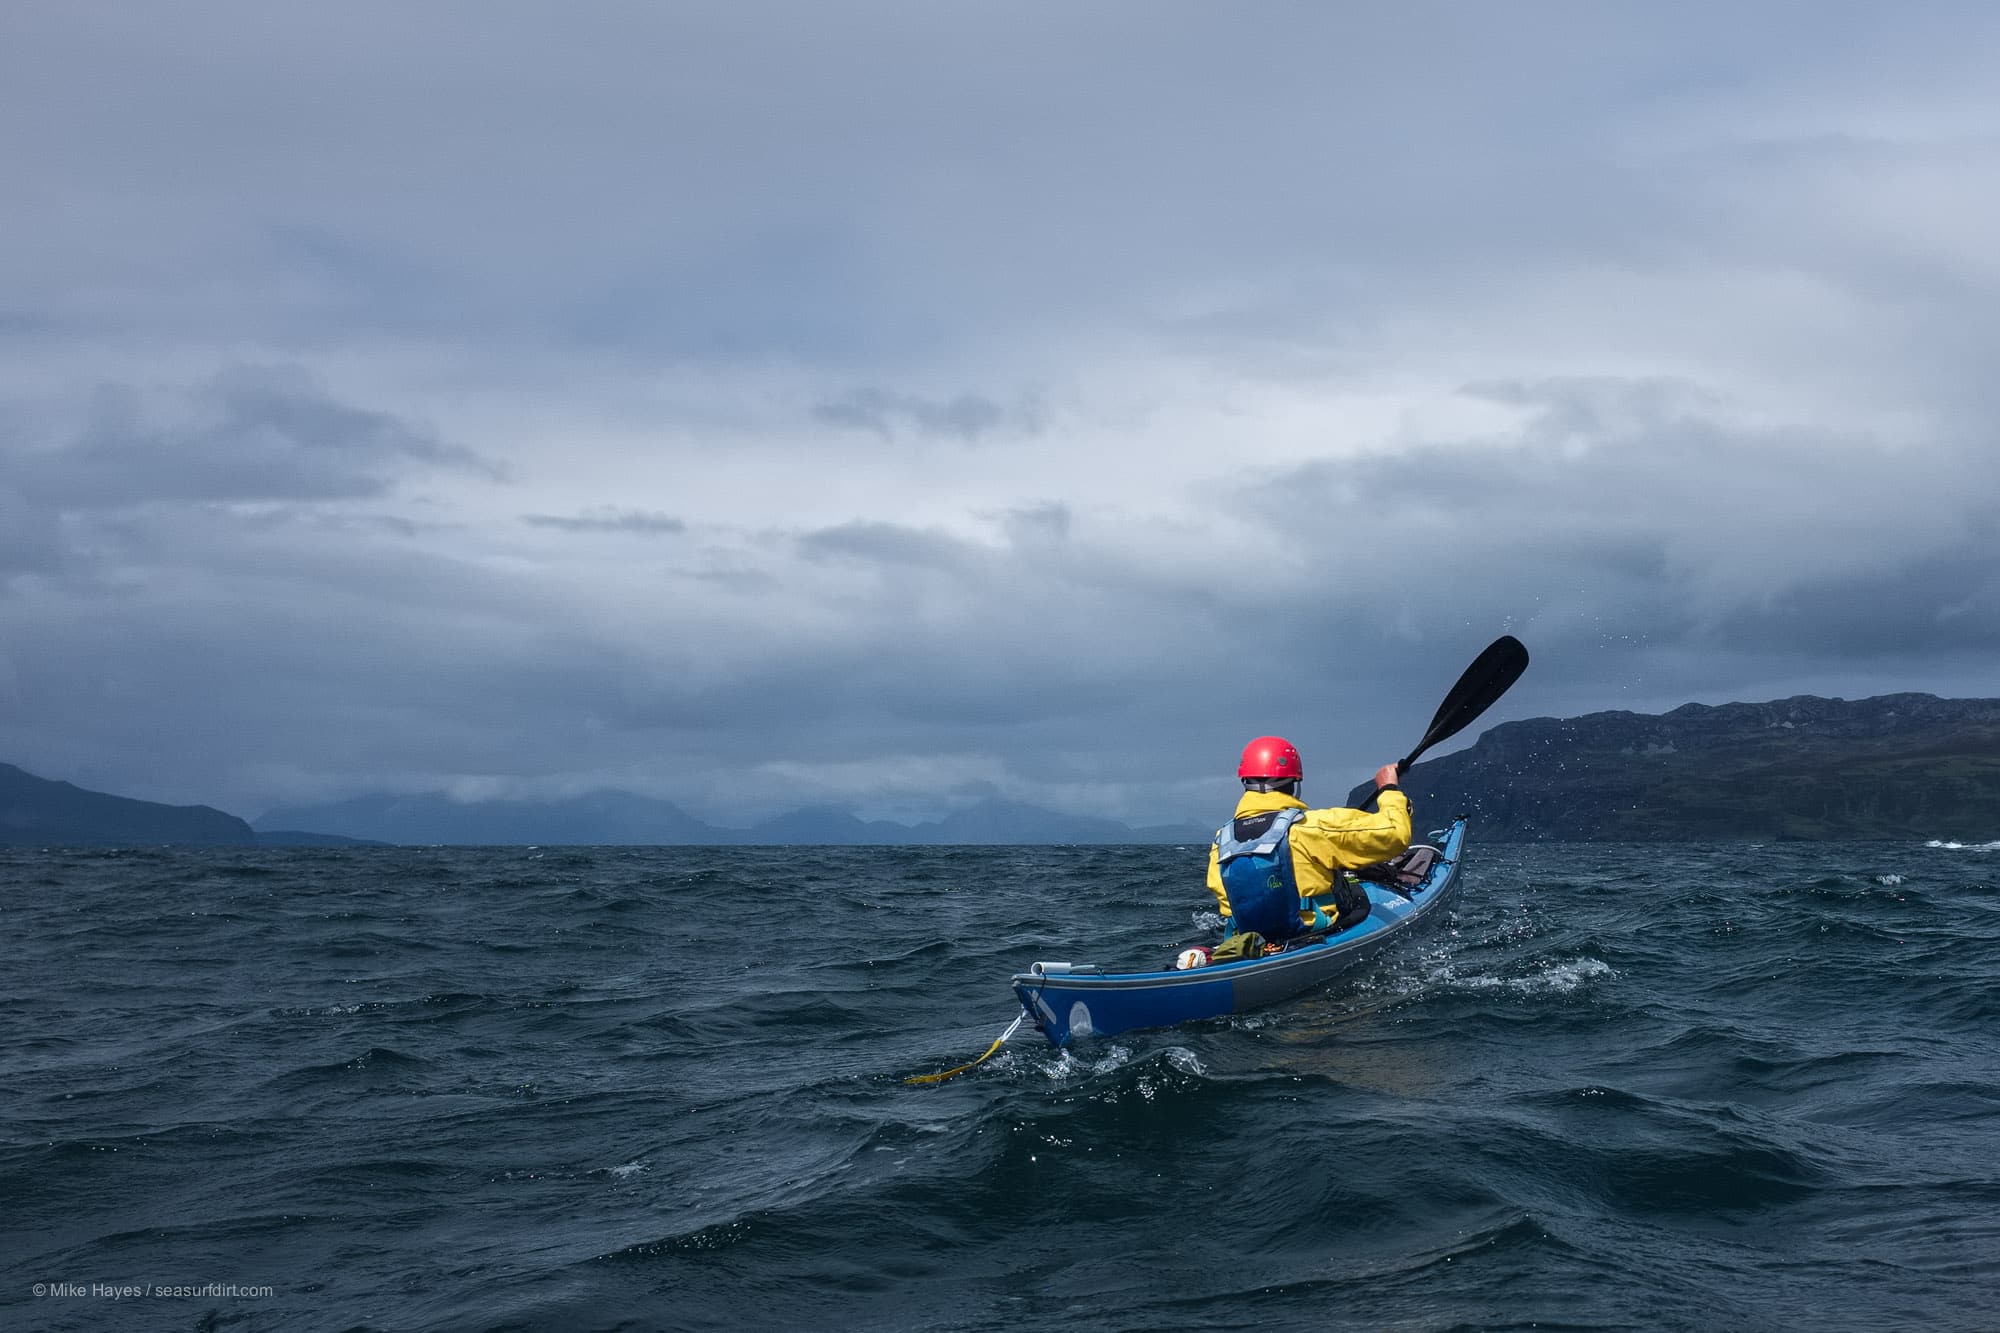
<point x="1889" y="880"/>
<point x="1554" y="978"/>
<point x="1964" y="846"/>
<point x="1066" y="1066"/>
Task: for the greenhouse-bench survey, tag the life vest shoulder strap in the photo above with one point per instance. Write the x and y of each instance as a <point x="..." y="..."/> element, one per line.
<point x="1256" y="835"/>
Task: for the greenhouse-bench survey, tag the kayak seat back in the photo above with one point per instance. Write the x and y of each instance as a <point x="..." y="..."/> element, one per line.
<point x="1405" y="871"/>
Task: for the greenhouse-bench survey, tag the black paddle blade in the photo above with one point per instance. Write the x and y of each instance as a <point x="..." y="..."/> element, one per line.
<point x="1491" y="674"/>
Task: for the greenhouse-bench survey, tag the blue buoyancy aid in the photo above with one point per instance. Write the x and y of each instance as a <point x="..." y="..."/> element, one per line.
<point x="1254" y="857"/>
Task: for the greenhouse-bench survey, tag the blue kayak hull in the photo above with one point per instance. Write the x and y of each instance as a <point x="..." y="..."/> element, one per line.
<point x="1071" y="1000"/>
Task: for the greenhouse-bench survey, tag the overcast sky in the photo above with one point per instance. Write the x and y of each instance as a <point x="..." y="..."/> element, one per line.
<point x="757" y="404"/>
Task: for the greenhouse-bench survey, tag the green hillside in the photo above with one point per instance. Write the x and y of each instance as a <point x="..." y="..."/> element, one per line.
<point x="1895" y="766"/>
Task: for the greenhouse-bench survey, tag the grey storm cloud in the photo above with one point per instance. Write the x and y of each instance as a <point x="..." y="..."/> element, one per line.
<point x="888" y="543"/>
<point x="30" y="536"/>
<point x="873" y="188"/>
<point x="1638" y="513"/>
<point x="1029" y="534"/>
<point x="861" y="400"/>
<point x="1045" y="523"/>
<point x="967" y="416"/>
<point x="1947" y="603"/>
<point x="249" y="434"/>
<point x="608" y="519"/>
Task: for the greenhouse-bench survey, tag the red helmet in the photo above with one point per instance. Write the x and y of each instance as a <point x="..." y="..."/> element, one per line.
<point x="1270" y="757"/>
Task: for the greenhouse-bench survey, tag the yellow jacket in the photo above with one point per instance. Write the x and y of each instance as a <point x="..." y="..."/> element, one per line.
<point x="1323" y="842"/>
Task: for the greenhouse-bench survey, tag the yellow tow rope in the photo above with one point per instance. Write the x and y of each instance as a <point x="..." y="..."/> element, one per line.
<point x="939" y="1078"/>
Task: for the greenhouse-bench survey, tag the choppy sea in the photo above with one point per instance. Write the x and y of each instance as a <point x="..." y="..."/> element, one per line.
<point x="1664" y="1087"/>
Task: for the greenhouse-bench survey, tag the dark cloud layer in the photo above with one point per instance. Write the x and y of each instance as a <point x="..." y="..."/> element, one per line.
<point x="609" y="519"/>
<point x="887" y="543"/>
<point x="252" y="433"/>
<point x="967" y="416"/>
<point x="885" y="404"/>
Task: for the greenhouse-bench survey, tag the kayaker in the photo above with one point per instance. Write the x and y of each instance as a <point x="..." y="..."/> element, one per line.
<point x="1274" y="869"/>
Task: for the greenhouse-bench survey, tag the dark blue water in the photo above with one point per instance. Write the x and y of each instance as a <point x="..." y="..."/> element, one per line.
<point x="1680" y="1087"/>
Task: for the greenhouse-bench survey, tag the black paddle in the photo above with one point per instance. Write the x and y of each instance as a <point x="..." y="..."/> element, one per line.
<point x="1491" y="674"/>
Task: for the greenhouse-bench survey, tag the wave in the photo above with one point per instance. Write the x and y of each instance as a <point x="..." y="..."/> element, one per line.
<point x="1621" y="1087"/>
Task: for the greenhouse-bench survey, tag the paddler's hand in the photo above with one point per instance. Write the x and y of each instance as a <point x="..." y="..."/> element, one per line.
<point x="1385" y="776"/>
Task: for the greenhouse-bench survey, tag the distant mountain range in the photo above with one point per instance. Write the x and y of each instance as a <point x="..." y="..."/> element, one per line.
<point x="620" y="818"/>
<point x="38" y="812"/>
<point x="1894" y="766"/>
<point x="601" y="819"/>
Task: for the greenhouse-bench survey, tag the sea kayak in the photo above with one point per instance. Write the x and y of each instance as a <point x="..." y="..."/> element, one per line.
<point x="1071" y="1000"/>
